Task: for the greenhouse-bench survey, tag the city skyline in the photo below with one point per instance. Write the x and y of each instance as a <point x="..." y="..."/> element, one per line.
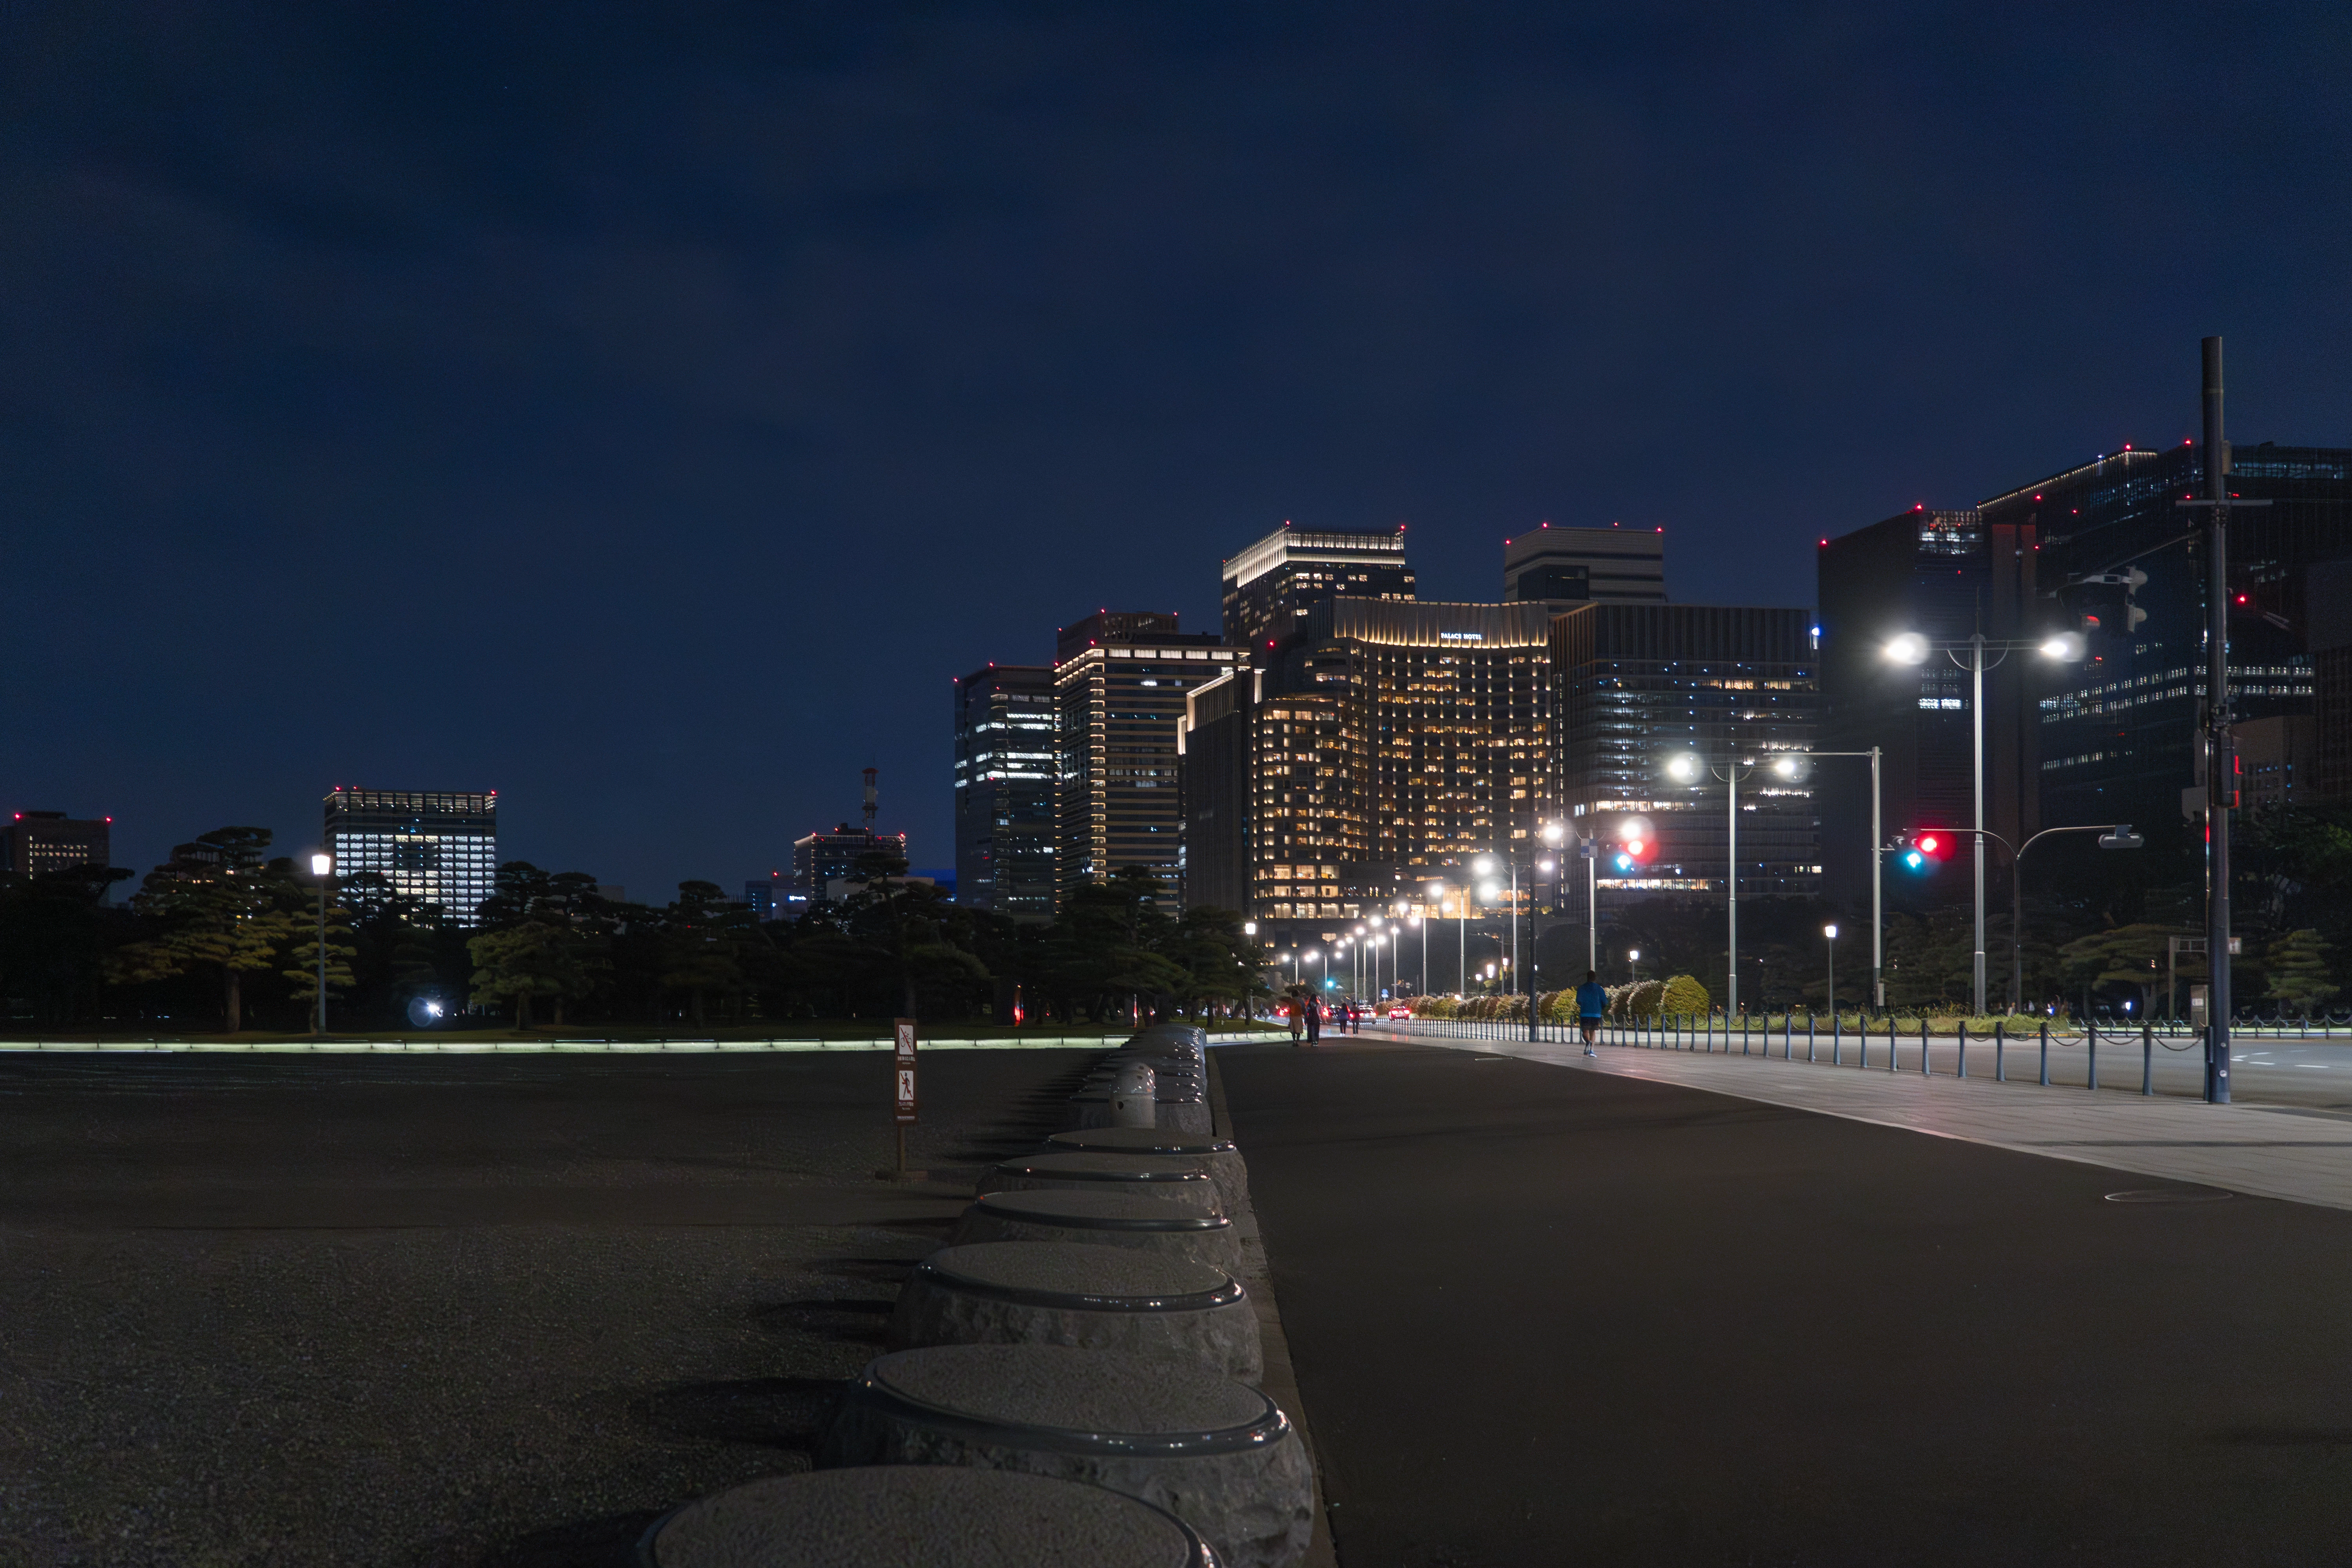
<point x="544" y="430"/>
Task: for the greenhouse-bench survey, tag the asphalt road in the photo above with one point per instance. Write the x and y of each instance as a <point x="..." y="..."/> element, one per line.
<point x="1542" y="1315"/>
<point x="445" y="1312"/>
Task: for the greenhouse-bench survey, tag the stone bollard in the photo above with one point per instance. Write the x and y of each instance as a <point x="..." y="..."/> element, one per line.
<point x="1104" y="1219"/>
<point x="1134" y="1097"/>
<point x="1215" y="1452"/>
<point x="1091" y="1297"/>
<point x="1217" y="1155"/>
<point x="939" y="1515"/>
<point x="1074" y="1170"/>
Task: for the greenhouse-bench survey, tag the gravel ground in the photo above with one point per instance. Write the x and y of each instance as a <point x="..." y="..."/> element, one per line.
<point x="483" y="1312"/>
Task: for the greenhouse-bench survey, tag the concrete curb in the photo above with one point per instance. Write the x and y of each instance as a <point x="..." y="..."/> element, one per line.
<point x="1280" y="1382"/>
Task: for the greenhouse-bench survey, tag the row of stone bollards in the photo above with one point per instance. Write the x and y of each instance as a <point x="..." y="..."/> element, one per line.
<point x="1070" y="1381"/>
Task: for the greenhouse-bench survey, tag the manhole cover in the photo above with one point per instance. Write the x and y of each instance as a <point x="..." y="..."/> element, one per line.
<point x="2168" y="1195"/>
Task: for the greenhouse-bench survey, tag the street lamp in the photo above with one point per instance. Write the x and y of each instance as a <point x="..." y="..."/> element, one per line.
<point x="323" y="868"/>
<point x="1910" y="647"/>
<point x="1830" y="933"/>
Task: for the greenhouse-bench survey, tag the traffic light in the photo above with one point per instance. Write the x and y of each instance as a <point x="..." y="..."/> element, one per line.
<point x="2104" y="602"/>
<point x="1923" y="850"/>
<point x="1634" y="852"/>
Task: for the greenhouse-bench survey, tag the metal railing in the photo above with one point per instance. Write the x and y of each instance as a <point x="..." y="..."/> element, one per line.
<point x="1826" y="1040"/>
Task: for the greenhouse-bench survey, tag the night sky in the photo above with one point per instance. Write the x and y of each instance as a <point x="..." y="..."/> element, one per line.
<point x="645" y="412"/>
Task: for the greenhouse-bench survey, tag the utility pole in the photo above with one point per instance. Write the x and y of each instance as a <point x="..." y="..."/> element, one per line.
<point x="2220" y="756"/>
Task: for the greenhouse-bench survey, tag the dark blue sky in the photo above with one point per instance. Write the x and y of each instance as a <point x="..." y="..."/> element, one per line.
<point x="643" y="412"/>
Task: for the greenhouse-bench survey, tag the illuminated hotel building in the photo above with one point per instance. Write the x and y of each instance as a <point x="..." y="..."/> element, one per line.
<point x="438" y="847"/>
<point x="1389" y="745"/>
<point x="1004" y="790"/>
<point x="34" y="842"/>
<point x="1640" y="685"/>
<point x="1272" y="588"/>
<point x="1121" y="680"/>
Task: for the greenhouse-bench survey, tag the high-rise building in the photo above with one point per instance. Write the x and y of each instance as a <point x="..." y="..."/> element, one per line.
<point x="1639" y="686"/>
<point x="1272" y="586"/>
<point x="1607" y="565"/>
<point x="823" y="863"/>
<point x="1943" y="576"/>
<point x="439" y="847"/>
<point x="1121" y="680"/>
<point x="2116" y="736"/>
<point x="1004" y="790"/>
<point x="1387" y="747"/>
<point x="37" y="841"/>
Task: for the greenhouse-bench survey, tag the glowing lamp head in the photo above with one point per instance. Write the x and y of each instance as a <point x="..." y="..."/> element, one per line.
<point x="1685" y="767"/>
<point x="1249" y="928"/>
<point x="1830" y="932"/>
<point x="1553" y="833"/>
<point x="2067" y="648"/>
<point x="1633" y="955"/>
<point x="1908" y="649"/>
<point x="1484" y="865"/>
<point x="321" y="865"/>
<point x="1786" y="767"/>
<point x="1490" y="892"/>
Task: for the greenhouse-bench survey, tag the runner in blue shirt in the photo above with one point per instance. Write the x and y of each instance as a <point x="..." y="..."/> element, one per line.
<point x="1591" y="1002"/>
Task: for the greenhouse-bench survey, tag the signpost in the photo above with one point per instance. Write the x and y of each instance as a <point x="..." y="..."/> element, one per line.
<point x="902" y="1076"/>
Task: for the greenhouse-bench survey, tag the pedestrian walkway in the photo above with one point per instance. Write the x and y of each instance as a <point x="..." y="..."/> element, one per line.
<point x="2302" y="1155"/>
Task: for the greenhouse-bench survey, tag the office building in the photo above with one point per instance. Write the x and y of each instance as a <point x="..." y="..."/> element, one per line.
<point x="2116" y="736"/>
<point x="1121" y="681"/>
<point x="774" y="897"/>
<point x="1574" y="565"/>
<point x="1004" y="790"/>
<point x="1389" y="745"/>
<point x="1943" y="576"/>
<point x="1637" y="687"/>
<point x="825" y="865"/>
<point x="1271" y="587"/>
<point x="33" y="842"/>
<point x="439" y="847"/>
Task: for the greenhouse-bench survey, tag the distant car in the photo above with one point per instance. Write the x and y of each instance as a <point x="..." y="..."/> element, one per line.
<point x="1400" y="1011"/>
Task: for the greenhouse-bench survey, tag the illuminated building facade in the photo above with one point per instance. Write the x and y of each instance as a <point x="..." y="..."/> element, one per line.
<point x="1004" y="790"/>
<point x="1638" y="685"/>
<point x="33" y="842"/>
<point x="2117" y="737"/>
<point x="823" y="863"/>
<point x="436" y="846"/>
<point x="1390" y="745"/>
<point x="1600" y="565"/>
<point x="1121" y="678"/>
<point x="1941" y="575"/>
<point x="1272" y="588"/>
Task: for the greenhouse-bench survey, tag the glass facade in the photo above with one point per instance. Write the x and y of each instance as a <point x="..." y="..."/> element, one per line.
<point x="1121" y="681"/>
<point x="440" y="848"/>
<point x="2118" y="736"/>
<point x="1005" y="787"/>
<point x="1641" y="685"/>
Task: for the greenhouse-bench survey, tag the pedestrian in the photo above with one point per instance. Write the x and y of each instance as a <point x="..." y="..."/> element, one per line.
<point x="1314" y="1020"/>
<point x="1291" y="1011"/>
<point x="1591" y="1002"/>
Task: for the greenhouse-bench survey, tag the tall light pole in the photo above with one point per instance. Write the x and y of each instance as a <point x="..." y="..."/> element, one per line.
<point x="323" y="868"/>
<point x="2220" y="756"/>
<point x="1877" y="879"/>
<point x="1688" y="768"/>
<point x="1910" y="647"/>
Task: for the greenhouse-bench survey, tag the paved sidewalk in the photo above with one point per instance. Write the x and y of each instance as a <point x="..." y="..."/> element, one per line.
<point x="2305" y="1156"/>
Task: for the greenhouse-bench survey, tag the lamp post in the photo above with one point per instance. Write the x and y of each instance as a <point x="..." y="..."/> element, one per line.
<point x="1911" y="648"/>
<point x="323" y="868"/>
<point x="1877" y="879"/>
<point x="2112" y="836"/>
<point x="1688" y="769"/>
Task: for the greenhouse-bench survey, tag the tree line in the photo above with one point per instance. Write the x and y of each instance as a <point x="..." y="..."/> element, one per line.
<point x="225" y="936"/>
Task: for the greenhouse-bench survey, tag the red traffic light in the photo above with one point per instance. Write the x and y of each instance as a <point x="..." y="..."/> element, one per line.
<point x="1929" y="844"/>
